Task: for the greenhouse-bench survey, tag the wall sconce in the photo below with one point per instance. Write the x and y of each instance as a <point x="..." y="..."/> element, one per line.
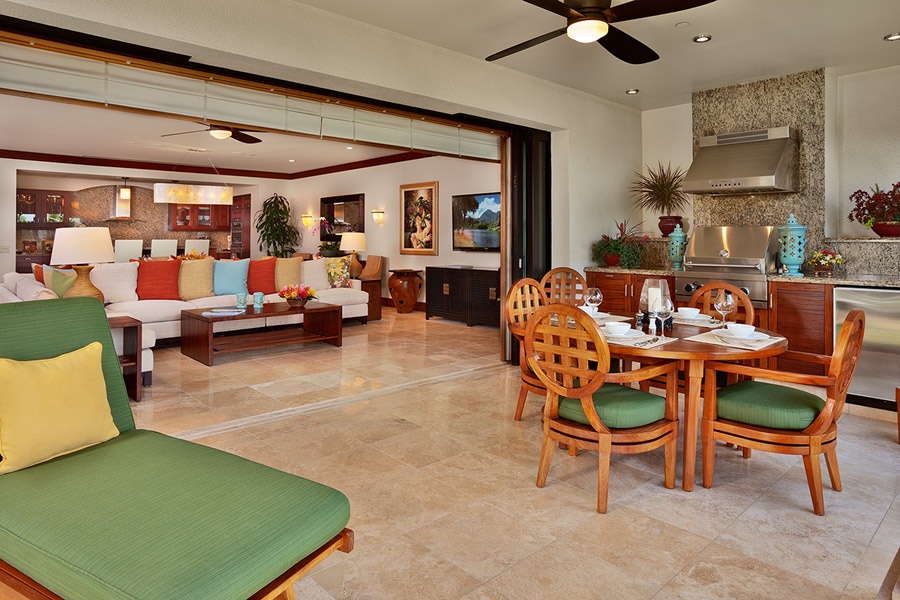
<point x="122" y="204"/>
<point x="307" y="220"/>
<point x="125" y="190"/>
<point x="378" y="216"/>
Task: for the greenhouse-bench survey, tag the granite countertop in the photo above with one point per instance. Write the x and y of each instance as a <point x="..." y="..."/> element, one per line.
<point x="849" y="279"/>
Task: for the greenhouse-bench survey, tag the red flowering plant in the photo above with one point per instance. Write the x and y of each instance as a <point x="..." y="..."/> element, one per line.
<point x="876" y="206"/>
<point x="627" y="244"/>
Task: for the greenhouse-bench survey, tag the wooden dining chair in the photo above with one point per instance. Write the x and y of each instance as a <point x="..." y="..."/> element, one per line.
<point x="781" y="419"/>
<point x="563" y="285"/>
<point x="589" y="408"/>
<point x="705" y="299"/>
<point x="524" y="297"/>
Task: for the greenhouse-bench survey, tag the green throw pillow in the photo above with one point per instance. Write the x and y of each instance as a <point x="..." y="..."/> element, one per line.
<point x="59" y="280"/>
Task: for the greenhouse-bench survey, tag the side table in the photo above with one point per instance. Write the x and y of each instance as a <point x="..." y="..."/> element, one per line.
<point x="130" y="359"/>
<point x="373" y="288"/>
<point x="405" y="285"/>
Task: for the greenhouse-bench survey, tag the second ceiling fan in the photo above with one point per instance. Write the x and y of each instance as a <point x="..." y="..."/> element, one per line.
<point x="591" y="21"/>
<point x="221" y="132"/>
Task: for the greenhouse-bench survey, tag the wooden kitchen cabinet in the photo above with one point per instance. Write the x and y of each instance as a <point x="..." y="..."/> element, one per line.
<point x="41" y="209"/>
<point x="804" y="314"/>
<point x="622" y="291"/>
<point x="199" y="217"/>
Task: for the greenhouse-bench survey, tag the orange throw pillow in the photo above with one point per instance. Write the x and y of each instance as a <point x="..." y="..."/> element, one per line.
<point x="158" y="280"/>
<point x="261" y="276"/>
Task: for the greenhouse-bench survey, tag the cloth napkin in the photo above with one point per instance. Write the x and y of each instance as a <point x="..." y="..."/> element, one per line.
<point x="711" y="338"/>
<point x="708" y="323"/>
<point x="644" y="341"/>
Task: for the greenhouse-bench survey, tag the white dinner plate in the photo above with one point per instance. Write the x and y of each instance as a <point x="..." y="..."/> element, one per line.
<point x="631" y="333"/>
<point x="724" y="334"/>
<point x="700" y="317"/>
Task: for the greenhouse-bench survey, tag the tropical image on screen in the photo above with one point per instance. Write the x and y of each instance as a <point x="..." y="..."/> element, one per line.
<point x="476" y="222"/>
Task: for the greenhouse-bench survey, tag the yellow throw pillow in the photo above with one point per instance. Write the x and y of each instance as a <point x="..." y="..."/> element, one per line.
<point x="52" y="407"/>
<point x="195" y="279"/>
<point x="287" y="271"/>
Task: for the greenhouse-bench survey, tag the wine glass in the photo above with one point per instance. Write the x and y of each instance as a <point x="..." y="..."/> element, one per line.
<point x="592" y="299"/>
<point x="724" y="304"/>
<point x="664" y="310"/>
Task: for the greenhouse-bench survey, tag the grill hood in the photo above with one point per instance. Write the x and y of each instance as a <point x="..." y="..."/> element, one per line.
<point x="762" y="161"/>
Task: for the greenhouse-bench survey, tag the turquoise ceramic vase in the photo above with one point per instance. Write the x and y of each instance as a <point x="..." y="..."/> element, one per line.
<point x="792" y="246"/>
<point x="677" y="245"/>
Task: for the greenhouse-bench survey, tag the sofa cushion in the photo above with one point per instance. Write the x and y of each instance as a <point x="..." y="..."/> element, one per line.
<point x="287" y="271"/>
<point x="150" y="516"/>
<point x="261" y="276"/>
<point x="158" y="279"/>
<point x="195" y="280"/>
<point x="29" y="288"/>
<point x="52" y="407"/>
<point x="59" y="281"/>
<point x="12" y="279"/>
<point x="230" y="276"/>
<point x="152" y="311"/>
<point x="313" y="273"/>
<point x="8" y="296"/>
<point x="342" y="296"/>
<point x="117" y="281"/>
<point x="338" y="271"/>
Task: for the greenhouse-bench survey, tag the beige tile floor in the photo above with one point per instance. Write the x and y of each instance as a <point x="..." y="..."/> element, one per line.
<point x="412" y="419"/>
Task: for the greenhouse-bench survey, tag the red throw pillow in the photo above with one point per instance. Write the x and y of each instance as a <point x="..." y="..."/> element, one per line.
<point x="261" y="276"/>
<point x="38" y="271"/>
<point x="158" y="280"/>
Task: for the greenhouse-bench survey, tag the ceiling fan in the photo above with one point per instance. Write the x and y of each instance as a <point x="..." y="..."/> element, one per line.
<point x="591" y="21"/>
<point x="221" y="132"/>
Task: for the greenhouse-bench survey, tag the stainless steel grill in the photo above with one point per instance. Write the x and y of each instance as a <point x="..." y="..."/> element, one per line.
<point x="741" y="256"/>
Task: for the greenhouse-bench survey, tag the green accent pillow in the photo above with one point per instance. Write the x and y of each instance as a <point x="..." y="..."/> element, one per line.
<point x="59" y="280"/>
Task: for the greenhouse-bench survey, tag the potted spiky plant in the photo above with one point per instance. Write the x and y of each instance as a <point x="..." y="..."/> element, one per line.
<point x="277" y="235"/>
<point x="661" y="191"/>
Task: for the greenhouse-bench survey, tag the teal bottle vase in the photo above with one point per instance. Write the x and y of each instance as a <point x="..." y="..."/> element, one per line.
<point x="677" y="246"/>
<point x="792" y="246"/>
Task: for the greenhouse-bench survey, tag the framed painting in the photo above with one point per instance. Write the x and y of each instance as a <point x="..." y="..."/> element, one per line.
<point x="419" y="229"/>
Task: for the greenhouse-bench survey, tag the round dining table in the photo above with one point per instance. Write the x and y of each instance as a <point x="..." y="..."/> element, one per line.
<point x="693" y="355"/>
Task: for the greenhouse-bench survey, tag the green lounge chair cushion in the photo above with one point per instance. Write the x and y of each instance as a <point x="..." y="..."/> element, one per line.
<point x="768" y="405"/>
<point x="619" y="407"/>
<point x="148" y="516"/>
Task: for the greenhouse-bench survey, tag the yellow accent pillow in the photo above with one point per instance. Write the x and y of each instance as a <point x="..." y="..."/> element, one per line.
<point x="287" y="271"/>
<point x="195" y="279"/>
<point x="52" y="407"/>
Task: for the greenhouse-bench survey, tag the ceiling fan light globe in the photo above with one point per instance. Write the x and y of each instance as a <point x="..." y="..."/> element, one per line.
<point x="220" y="134"/>
<point x="587" y="30"/>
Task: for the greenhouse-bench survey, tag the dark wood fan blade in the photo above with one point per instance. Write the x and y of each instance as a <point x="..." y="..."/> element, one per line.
<point x="555" y="6"/>
<point x="244" y="137"/>
<point x="183" y="132"/>
<point x="525" y="45"/>
<point x="638" y="9"/>
<point x="626" y="48"/>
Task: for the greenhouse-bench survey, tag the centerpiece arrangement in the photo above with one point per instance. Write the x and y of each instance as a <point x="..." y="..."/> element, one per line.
<point x="625" y="249"/>
<point x="661" y="190"/>
<point x="327" y="247"/>
<point x="824" y="261"/>
<point x="297" y="295"/>
<point x="879" y="210"/>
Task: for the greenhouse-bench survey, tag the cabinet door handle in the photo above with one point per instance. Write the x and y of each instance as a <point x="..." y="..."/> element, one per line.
<point x="446" y="289"/>
<point x="492" y="293"/>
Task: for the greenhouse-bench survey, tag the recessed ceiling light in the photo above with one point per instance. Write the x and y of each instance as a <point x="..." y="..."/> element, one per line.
<point x="349" y="147"/>
<point x="632" y="91"/>
<point x="290" y="160"/>
<point x="702" y="38"/>
<point x="893" y="37"/>
<point x="681" y="24"/>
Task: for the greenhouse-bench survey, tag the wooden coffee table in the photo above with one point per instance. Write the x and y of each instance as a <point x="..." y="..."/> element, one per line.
<point x="321" y="323"/>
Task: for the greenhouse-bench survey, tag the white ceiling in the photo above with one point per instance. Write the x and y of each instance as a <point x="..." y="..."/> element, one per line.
<point x="752" y="40"/>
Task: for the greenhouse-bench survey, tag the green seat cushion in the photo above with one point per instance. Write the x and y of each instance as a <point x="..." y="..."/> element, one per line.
<point x="148" y="516"/>
<point x="768" y="405"/>
<point x="619" y="407"/>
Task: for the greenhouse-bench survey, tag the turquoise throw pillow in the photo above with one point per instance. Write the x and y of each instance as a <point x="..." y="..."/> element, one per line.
<point x="230" y="276"/>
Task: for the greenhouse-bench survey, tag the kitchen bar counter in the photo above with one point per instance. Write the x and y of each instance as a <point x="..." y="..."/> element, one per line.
<point x="850" y="279"/>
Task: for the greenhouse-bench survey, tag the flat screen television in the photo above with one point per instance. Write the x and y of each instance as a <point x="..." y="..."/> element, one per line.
<point x="476" y="222"/>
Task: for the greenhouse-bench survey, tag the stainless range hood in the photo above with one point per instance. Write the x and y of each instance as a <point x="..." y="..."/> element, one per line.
<point x="750" y="162"/>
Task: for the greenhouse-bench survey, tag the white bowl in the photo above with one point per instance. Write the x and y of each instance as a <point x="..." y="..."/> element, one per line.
<point x="686" y="311"/>
<point x="617" y="328"/>
<point x="740" y="329"/>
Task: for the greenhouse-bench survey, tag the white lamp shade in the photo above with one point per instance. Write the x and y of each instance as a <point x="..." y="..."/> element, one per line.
<point x="587" y="30"/>
<point x="353" y="242"/>
<point x="81" y="246"/>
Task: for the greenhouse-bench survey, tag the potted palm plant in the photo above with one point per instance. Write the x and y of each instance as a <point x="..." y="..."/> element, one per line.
<point x="661" y="190"/>
<point x="277" y="235"/>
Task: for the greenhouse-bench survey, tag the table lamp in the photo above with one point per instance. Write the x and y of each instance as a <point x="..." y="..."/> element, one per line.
<point x="78" y="246"/>
<point x="354" y="242"/>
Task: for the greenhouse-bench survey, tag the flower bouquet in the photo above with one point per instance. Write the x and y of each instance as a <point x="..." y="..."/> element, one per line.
<point x="823" y="261"/>
<point x="297" y="295"/>
<point x="192" y="255"/>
